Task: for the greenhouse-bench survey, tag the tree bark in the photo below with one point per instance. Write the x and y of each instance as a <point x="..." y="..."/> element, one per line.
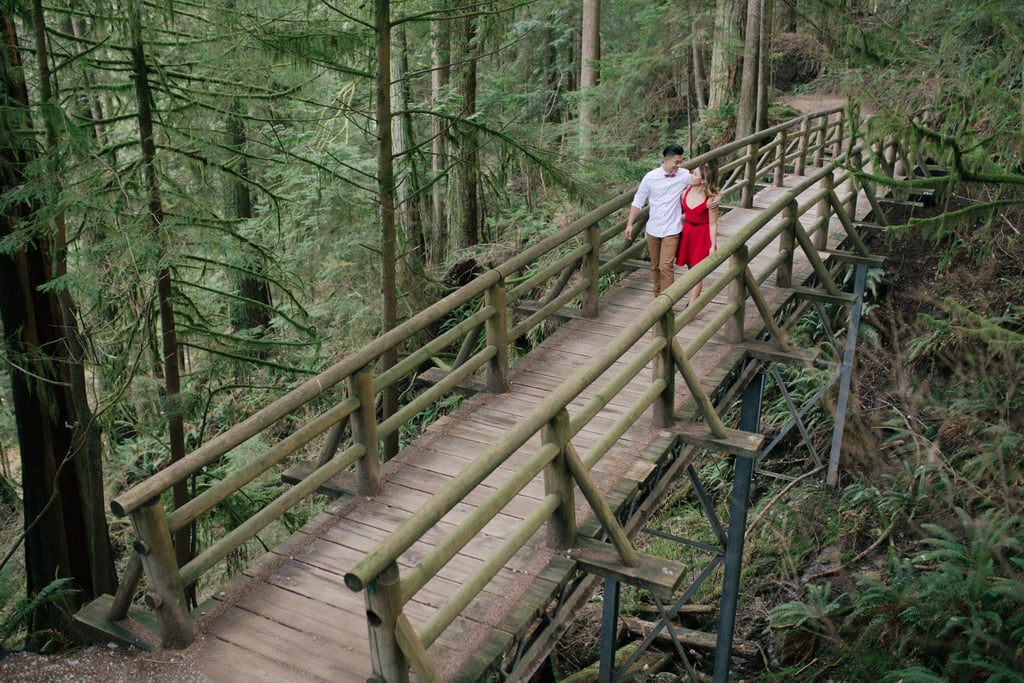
<point x="590" y="54"/>
<point x="86" y="431"/>
<point x="386" y="197"/>
<point x="59" y="482"/>
<point x="763" y="66"/>
<point x="439" y="50"/>
<point x="746" y="112"/>
<point x="407" y="178"/>
<point x="252" y="312"/>
<point x="723" y="57"/>
<point x="470" y="156"/>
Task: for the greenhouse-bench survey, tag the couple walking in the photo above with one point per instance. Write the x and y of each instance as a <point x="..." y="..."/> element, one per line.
<point x="682" y="224"/>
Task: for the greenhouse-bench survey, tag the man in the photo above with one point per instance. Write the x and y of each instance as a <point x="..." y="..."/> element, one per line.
<point x="661" y="189"/>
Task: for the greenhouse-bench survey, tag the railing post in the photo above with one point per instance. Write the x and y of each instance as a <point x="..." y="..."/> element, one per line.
<point x="664" y="367"/>
<point x="738" y="294"/>
<point x="805" y="139"/>
<point x="889" y="157"/>
<point x="824" y="212"/>
<point x="877" y="150"/>
<point x="497" y="336"/>
<point x="383" y="605"/>
<point x="780" y="158"/>
<point x="750" y="172"/>
<point x="856" y="163"/>
<point x="558" y="480"/>
<point x="787" y="243"/>
<point x="364" y="431"/>
<point x="165" y="593"/>
<point x="819" y="147"/>
<point x="590" y="270"/>
<point x="840" y="129"/>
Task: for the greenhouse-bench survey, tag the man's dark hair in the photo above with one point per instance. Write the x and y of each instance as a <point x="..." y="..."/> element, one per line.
<point x="673" y="150"/>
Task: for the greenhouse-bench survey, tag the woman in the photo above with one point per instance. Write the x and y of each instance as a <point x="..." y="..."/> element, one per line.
<point x="700" y="223"/>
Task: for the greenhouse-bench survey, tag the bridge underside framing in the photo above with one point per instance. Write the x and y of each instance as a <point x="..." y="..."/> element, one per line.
<point x="291" y="618"/>
<point x="675" y="458"/>
<point x="724" y="560"/>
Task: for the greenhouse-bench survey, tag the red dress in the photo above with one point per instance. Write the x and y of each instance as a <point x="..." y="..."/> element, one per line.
<point x="695" y="242"/>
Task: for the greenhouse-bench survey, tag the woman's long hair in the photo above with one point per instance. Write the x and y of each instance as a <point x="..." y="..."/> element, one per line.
<point x="709" y="173"/>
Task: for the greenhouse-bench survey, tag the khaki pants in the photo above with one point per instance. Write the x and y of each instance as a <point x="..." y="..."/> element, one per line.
<point x="663" y="261"/>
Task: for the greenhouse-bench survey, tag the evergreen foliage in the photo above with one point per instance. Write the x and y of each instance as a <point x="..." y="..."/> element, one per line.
<point x="276" y="99"/>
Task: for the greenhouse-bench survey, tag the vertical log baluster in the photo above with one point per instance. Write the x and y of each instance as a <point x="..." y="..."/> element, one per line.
<point x="805" y="139"/>
<point x="558" y="480"/>
<point x="165" y="591"/>
<point x="738" y="294"/>
<point x="664" y="369"/>
<point x="383" y="607"/>
<point x="364" y="431"/>
<point x="787" y="243"/>
<point x="591" y="271"/>
<point x="497" y="336"/>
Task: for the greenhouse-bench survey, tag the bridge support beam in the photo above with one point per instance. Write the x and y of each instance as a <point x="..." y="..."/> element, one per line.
<point x="609" y="627"/>
<point x="845" y="376"/>
<point x="750" y="420"/>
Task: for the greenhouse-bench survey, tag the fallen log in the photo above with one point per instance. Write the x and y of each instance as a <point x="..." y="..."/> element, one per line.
<point x="646" y="665"/>
<point x="700" y="640"/>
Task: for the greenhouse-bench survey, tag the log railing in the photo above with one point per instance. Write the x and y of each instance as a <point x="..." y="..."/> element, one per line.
<point x="586" y="252"/>
<point x="652" y="337"/>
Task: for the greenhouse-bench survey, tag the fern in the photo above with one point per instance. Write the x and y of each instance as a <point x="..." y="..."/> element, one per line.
<point x="17" y="608"/>
<point x="817" y="615"/>
<point x="914" y="674"/>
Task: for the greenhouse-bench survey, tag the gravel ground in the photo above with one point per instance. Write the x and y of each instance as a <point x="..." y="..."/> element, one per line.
<point x="99" y="664"/>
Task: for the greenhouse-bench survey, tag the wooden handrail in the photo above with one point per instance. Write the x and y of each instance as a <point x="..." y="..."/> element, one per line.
<point x="788" y="143"/>
<point x="403" y="537"/>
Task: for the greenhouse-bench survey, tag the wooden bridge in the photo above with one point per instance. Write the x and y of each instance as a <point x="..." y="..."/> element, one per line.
<point x="464" y="556"/>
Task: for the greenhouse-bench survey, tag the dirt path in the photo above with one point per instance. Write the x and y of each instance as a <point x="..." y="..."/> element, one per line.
<point x="816" y="102"/>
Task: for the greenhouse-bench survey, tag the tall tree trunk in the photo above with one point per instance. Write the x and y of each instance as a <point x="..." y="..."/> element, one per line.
<point x="700" y="40"/>
<point x="168" y="331"/>
<point x="699" y="79"/>
<point x="439" y="54"/>
<point x="746" y="113"/>
<point x="590" y="54"/>
<point x="386" y="192"/>
<point x="86" y="431"/>
<point x="763" y="66"/>
<point x="59" y="491"/>
<point x="74" y="27"/>
<point x="252" y="311"/>
<point x="407" y="179"/>
<point x="723" y="54"/>
<point x="468" y="152"/>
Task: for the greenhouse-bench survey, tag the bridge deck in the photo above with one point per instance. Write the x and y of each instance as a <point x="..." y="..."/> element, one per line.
<point x="293" y="619"/>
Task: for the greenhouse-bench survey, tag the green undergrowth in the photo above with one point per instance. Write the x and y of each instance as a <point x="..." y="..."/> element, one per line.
<point x="912" y="567"/>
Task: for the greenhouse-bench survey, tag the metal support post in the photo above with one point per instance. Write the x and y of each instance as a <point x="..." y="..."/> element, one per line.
<point x="750" y="420"/>
<point x="846" y="372"/>
<point x="609" y="628"/>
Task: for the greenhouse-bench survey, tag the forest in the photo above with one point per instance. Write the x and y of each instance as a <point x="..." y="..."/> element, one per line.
<point x="207" y="203"/>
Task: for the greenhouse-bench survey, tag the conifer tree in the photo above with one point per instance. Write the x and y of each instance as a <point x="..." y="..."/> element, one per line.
<point x="65" y="532"/>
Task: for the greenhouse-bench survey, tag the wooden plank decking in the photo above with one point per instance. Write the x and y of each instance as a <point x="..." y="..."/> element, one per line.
<point x="293" y="619"/>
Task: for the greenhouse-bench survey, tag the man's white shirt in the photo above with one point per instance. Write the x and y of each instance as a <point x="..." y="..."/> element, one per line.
<point x="663" y="194"/>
